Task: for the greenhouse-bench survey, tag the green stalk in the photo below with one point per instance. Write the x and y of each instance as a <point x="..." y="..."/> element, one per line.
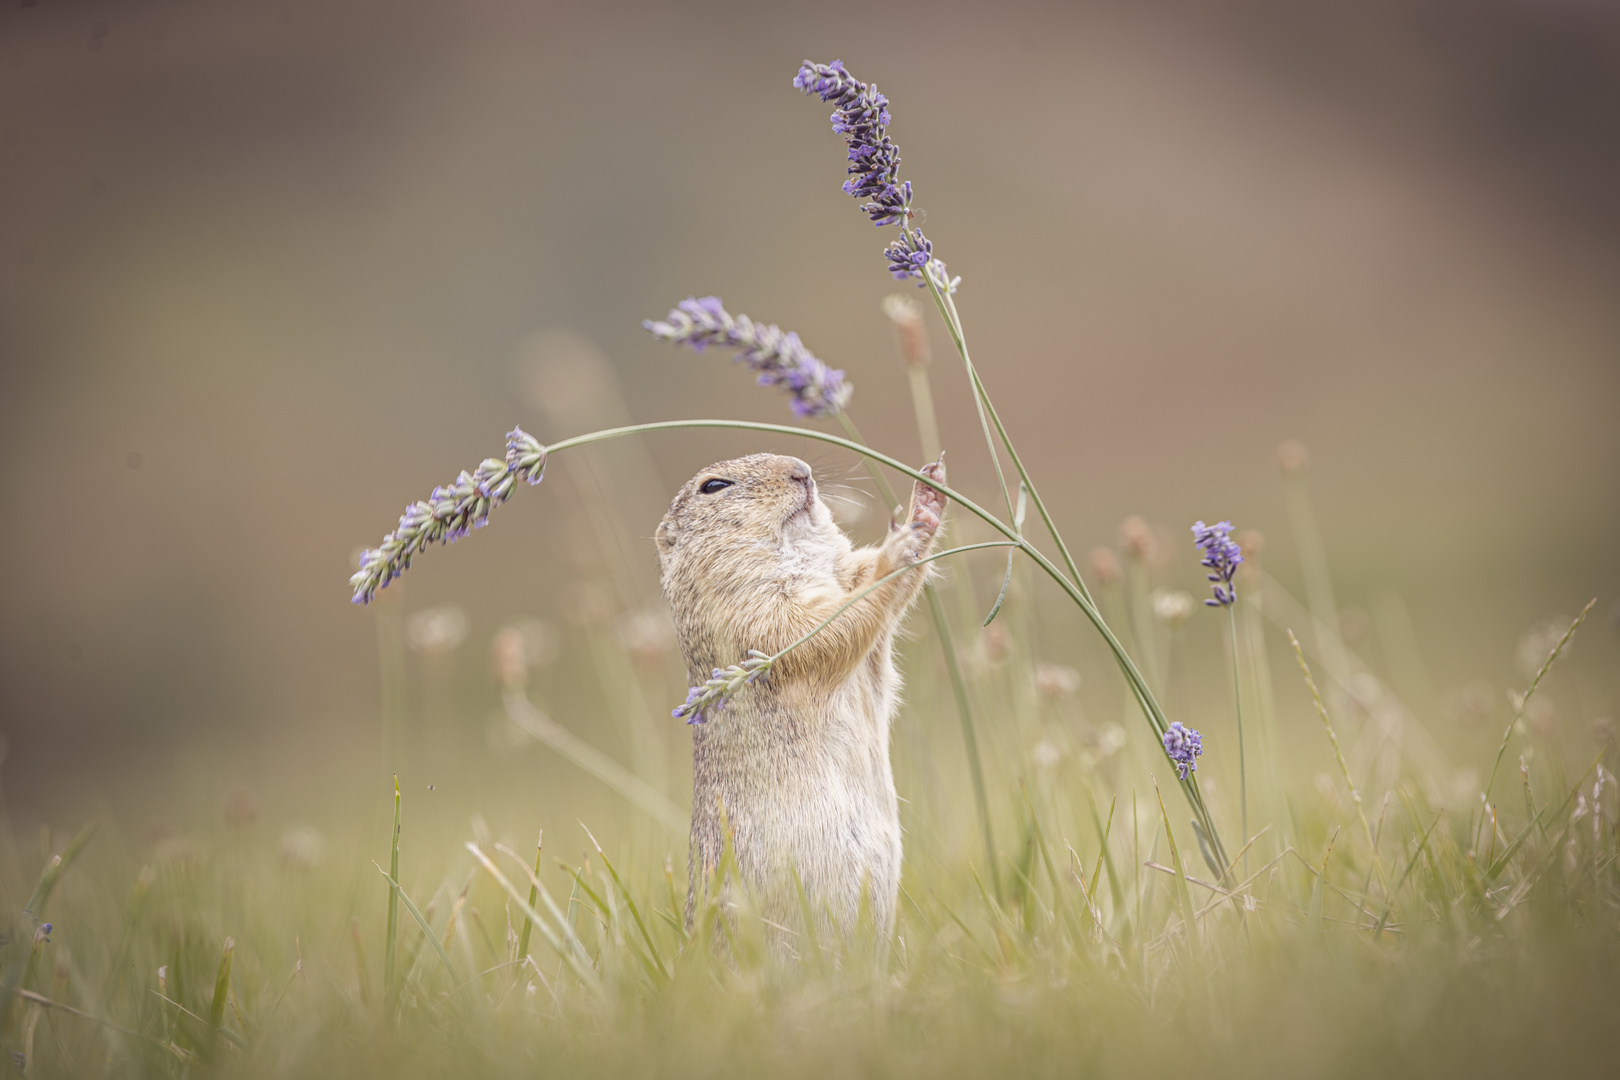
<point x="947" y="646"/>
<point x="953" y="322"/>
<point x="1082" y="596"/>
<point x="222" y="986"/>
<point x="1243" y="767"/>
<point x="969" y="737"/>
<point x="389" y="949"/>
<point x="534" y="898"/>
<point x="1074" y="584"/>
<point x="847" y="604"/>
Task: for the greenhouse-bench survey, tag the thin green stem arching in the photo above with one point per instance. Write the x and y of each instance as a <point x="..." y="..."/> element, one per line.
<point x="390" y="946"/>
<point x="980" y="399"/>
<point x="953" y="666"/>
<point x="847" y="604"/>
<point x="1074" y="584"/>
<point x="1075" y="591"/>
<point x="953" y="322"/>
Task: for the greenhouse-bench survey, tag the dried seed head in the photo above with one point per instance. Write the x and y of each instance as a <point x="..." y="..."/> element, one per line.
<point x="1056" y="680"/>
<point x="436" y="631"/>
<point x="1171" y="605"/>
<point x="1136" y="537"/>
<point x="1105" y="566"/>
<point x="1293" y="458"/>
<point x="910" y="332"/>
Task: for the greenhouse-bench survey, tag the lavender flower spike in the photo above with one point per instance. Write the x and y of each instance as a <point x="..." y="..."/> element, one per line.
<point x="450" y="513"/>
<point x="1183" y="745"/>
<point x="1222" y="556"/>
<point x="778" y="355"/>
<point x="702" y="701"/>
<point x="861" y="116"/>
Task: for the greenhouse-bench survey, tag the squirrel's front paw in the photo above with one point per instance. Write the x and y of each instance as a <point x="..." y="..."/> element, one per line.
<point x="927" y="504"/>
<point x="927" y="508"/>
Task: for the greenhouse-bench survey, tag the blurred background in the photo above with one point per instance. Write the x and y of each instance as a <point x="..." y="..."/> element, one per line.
<point x="269" y="271"/>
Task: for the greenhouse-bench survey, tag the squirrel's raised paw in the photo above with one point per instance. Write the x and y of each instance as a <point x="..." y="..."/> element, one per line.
<point x="927" y="504"/>
<point x="927" y="509"/>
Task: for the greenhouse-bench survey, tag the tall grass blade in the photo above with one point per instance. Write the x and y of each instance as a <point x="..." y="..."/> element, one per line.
<point x="391" y="942"/>
<point x="1314" y="915"/>
<point x="54" y="869"/>
<point x="422" y="922"/>
<point x="630" y="902"/>
<point x="222" y="986"/>
<point x="1183" y="893"/>
<point x="566" y="945"/>
<point x="534" y="896"/>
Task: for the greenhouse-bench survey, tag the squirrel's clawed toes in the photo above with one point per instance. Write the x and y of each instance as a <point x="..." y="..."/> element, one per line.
<point x="927" y="509"/>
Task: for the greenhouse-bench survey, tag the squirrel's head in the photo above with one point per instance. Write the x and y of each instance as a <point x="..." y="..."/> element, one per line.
<point x="744" y="516"/>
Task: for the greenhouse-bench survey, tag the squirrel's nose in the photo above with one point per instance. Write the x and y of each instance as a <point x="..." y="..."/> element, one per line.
<point x="798" y="470"/>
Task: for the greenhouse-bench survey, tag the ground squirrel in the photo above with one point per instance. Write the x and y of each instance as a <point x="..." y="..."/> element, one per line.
<point x="799" y="761"/>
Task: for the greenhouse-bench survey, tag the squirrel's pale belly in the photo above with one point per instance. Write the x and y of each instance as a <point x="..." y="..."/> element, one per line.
<point x="807" y="790"/>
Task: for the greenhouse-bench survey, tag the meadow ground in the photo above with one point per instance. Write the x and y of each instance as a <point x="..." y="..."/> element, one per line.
<point x="1403" y="926"/>
<point x="1364" y="873"/>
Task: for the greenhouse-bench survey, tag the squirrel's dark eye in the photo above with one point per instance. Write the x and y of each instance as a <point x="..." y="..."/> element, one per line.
<point x="711" y="486"/>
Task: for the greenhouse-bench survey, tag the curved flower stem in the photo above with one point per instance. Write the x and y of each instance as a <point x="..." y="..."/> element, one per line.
<point x="953" y="666"/>
<point x="890" y="576"/>
<point x="953" y="322"/>
<point x="1076" y="592"/>
<point x="1073" y="583"/>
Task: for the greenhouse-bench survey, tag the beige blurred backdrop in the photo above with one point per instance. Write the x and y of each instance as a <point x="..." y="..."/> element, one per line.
<point x="268" y="271"/>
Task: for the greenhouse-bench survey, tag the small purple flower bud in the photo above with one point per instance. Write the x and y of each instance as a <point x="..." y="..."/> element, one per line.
<point x="1222" y="557"/>
<point x="1183" y="745"/>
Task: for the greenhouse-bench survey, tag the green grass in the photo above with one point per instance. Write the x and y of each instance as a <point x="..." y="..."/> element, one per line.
<point x="1401" y="931"/>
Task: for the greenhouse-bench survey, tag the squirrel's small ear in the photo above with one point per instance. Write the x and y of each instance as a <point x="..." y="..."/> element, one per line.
<point x="665" y="536"/>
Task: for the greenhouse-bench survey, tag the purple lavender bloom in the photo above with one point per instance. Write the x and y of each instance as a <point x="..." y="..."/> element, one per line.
<point x="702" y="701"/>
<point x="1222" y="557"/>
<point x="861" y="116"/>
<point x="912" y="256"/>
<point x="814" y="389"/>
<point x="1183" y="745"/>
<point x="451" y="512"/>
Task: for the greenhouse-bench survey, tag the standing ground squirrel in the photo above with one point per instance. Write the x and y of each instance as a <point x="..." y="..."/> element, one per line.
<point x="798" y="763"/>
